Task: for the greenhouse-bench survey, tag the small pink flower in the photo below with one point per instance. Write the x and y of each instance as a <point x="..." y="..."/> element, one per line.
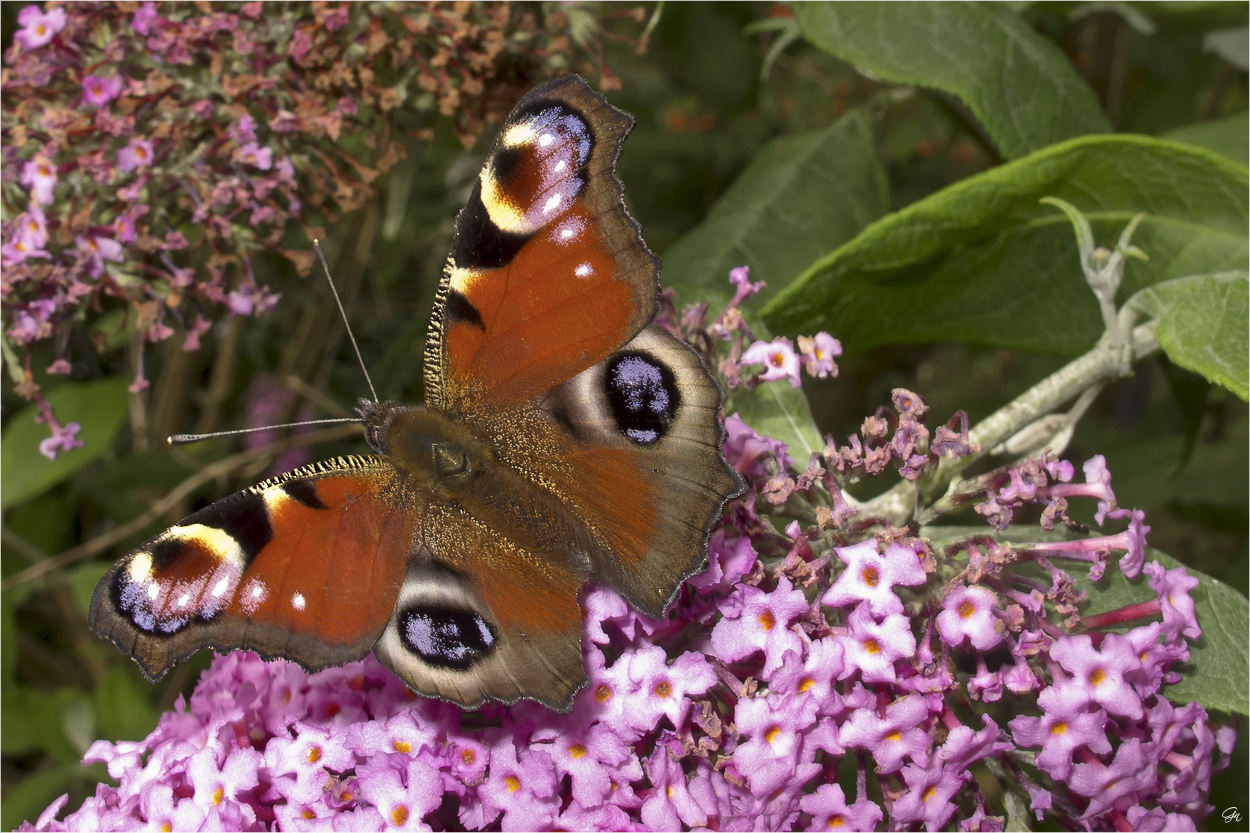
<point x="40" y="174"/>
<point x="32" y="228"/>
<point x="136" y="155"/>
<point x="968" y="613"/>
<point x="870" y="576"/>
<point x="144" y="17"/>
<point x="256" y="156"/>
<point x="741" y="279"/>
<point x="819" y="353"/>
<point x="38" y="27"/>
<point x="778" y="357"/>
<point x="99" y="249"/>
<point x="243" y="130"/>
<point x="98" y="91"/>
<point x="18" y="250"/>
<point x="194" y="331"/>
<point x="62" y="439"/>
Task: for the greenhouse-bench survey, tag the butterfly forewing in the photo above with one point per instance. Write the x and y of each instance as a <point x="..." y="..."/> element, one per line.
<point x="306" y="566"/>
<point x="548" y="273"/>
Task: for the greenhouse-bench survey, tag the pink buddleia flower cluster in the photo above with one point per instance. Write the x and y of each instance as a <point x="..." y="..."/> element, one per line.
<point x="150" y="149"/>
<point x="839" y="674"/>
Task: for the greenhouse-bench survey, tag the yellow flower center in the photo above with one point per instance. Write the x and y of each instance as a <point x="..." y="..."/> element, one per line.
<point x="767" y="620"/>
<point x="513" y="783"/>
<point x="966" y="609"/>
<point x="872" y="646"/>
<point x="1097" y="676"/>
<point x="577" y="751"/>
<point x="402" y="746"/>
<point x="663" y="690"/>
<point x="399" y="815"/>
<point x="871" y="577"/>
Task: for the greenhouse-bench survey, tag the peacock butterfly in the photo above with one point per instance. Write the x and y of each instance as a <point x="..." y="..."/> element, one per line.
<point x="565" y="439"/>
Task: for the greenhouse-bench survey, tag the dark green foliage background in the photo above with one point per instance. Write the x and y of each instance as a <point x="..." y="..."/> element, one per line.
<point x="724" y="167"/>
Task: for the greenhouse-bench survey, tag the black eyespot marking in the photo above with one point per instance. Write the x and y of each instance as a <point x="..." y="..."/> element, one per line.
<point x="504" y="160"/>
<point x="459" y="308"/>
<point x="165" y="553"/>
<point x="642" y="395"/>
<point x="479" y="243"/>
<point x="303" y="492"/>
<point x="446" y="637"/>
<point x="243" y="517"/>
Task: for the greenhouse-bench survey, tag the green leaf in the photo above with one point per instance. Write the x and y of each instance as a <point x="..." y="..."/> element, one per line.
<point x="798" y="196"/>
<point x="99" y="407"/>
<point x="1189" y="392"/>
<point x="984" y="261"/>
<point x="1228" y="136"/>
<point x="123" y="706"/>
<point x="1203" y="325"/>
<point x="35" y="720"/>
<point x="1218" y="672"/>
<point x="82" y="582"/>
<point x="774" y="409"/>
<point x="33" y="795"/>
<point x="1019" y="86"/>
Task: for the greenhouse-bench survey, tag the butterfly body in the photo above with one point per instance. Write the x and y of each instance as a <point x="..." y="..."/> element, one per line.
<point x="564" y="440"/>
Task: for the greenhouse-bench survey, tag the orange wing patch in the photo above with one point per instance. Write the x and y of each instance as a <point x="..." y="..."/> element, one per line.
<point x="306" y="566"/>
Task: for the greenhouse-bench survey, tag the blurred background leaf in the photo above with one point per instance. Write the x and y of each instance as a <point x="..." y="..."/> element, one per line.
<point x="984" y="261"/>
<point x="99" y="407"/>
<point x="1022" y="90"/>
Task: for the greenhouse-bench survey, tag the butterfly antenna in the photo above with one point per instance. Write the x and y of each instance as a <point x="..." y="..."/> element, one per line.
<point x="342" y="312"/>
<point x="183" y="439"/>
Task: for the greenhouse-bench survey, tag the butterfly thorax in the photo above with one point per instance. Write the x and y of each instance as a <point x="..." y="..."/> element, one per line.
<point x="438" y="454"/>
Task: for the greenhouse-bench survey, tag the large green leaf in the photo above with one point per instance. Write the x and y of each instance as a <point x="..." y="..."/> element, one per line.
<point x="1204" y="325"/>
<point x="983" y="261"/>
<point x="123" y="705"/>
<point x="99" y="407"/>
<point x="1019" y="85"/>
<point x="799" y="195"/>
<point x="1218" y="672"/>
<point x="1228" y="137"/>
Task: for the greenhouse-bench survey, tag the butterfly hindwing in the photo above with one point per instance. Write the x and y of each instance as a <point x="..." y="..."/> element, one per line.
<point x="485" y="614"/>
<point x="306" y="566"/>
<point x="548" y="274"/>
<point x="638" y="459"/>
